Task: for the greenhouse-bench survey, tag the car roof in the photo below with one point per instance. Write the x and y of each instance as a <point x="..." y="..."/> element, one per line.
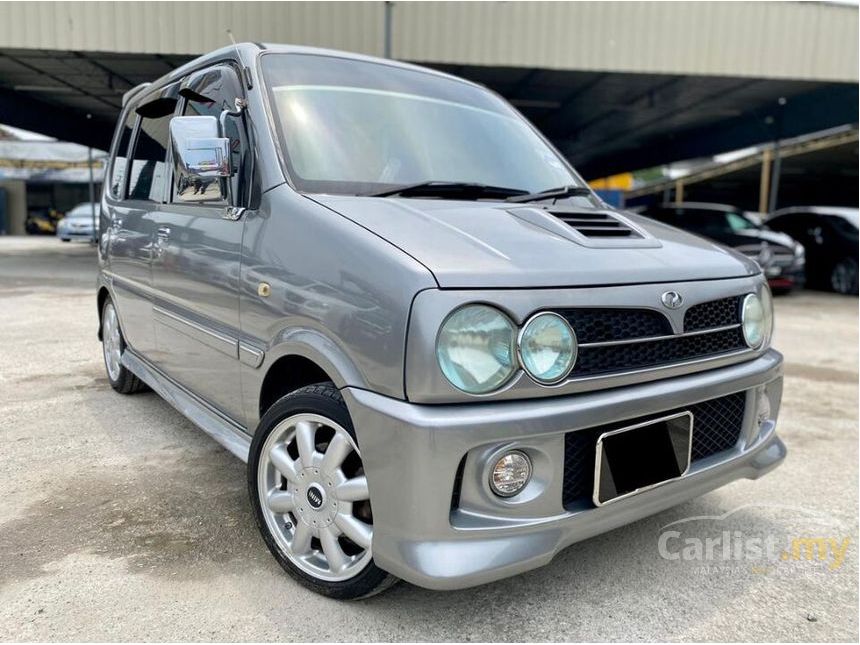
<point x="249" y="51"/>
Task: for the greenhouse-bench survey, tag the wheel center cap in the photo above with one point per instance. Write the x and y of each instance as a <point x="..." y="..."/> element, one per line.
<point x="316" y="496"/>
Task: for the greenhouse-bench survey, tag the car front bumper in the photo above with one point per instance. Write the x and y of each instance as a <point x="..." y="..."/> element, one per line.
<point x="414" y="454"/>
<point x="75" y="234"/>
<point x="787" y="277"/>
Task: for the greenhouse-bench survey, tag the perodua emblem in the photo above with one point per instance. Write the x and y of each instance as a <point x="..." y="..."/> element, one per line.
<point x="672" y="299"/>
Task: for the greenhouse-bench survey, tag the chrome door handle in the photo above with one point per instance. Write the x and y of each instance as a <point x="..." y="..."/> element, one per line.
<point x="163" y="232"/>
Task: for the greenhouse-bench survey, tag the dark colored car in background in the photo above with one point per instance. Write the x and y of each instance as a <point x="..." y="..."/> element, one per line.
<point x="830" y="237"/>
<point x="42" y="221"/>
<point x="781" y="257"/>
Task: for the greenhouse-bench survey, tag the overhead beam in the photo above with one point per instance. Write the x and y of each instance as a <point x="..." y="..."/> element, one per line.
<point x="21" y="111"/>
<point x="789" y="149"/>
<point x="821" y="109"/>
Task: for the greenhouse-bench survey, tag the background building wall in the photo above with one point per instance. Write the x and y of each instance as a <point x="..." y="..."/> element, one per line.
<point x="792" y="40"/>
<point x="15" y="191"/>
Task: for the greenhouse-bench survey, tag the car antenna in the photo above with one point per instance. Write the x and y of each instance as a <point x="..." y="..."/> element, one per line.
<point x="244" y="71"/>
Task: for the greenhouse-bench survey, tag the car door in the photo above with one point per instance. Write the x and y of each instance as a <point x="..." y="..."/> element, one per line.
<point x="133" y="194"/>
<point x="197" y="256"/>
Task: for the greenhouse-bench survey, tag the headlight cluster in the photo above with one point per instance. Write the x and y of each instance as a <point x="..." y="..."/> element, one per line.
<point x="757" y="318"/>
<point x="479" y="349"/>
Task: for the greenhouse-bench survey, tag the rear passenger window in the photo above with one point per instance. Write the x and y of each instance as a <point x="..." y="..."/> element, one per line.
<point x="120" y="162"/>
<point x="148" y="171"/>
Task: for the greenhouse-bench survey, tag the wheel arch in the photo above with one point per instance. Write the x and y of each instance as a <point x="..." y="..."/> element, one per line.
<point x="101" y="297"/>
<point x="304" y="357"/>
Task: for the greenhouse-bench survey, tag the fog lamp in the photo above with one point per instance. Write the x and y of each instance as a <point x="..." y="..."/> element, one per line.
<point x="511" y="473"/>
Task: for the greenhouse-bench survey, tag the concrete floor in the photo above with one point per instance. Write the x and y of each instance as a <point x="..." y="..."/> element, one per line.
<point x="120" y="521"/>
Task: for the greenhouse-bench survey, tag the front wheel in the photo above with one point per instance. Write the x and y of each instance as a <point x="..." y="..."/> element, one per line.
<point x="843" y="277"/>
<point x="310" y="496"/>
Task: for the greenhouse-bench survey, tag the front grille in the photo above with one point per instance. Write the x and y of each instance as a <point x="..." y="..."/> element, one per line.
<point x="782" y="257"/>
<point x="608" y="336"/>
<point x="602" y="325"/>
<point x="623" y="358"/>
<point x="717" y="426"/>
<point x="716" y="313"/>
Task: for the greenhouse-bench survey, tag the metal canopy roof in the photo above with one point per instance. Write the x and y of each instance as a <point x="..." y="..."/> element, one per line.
<point x="605" y="122"/>
<point x="613" y="122"/>
<point x="52" y="92"/>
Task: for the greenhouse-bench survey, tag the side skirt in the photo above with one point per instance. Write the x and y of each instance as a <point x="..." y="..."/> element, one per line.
<point x="224" y="431"/>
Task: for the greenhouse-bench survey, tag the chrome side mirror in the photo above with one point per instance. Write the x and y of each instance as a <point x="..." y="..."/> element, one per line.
<point x="201" y="159"/>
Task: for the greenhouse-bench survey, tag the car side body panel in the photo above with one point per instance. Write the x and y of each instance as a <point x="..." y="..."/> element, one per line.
<point x="340" y="295"/>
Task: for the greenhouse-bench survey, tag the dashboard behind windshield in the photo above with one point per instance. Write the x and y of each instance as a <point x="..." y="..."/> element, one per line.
<point x="356" y="127"/>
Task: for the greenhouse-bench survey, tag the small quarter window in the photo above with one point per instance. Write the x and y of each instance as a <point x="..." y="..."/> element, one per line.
<point x="120" y="162"/>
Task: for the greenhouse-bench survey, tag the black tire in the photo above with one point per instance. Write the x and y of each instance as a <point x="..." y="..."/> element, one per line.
<point x="65" y="239"/>
<point x="323" y="399"/>
<point x="125" y="382"/>
<point x="843" y="277"/>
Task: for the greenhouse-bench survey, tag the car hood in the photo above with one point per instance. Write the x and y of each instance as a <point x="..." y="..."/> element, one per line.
<point x="762" y="235"/>
<point x="489" y="245"/>
<point x="753" y="236"/>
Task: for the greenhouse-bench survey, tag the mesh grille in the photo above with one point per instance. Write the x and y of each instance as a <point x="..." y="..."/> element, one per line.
<point x="623" y="358"/>
<point x="716" y="313"/>
<point x="717" y="426"/>
<point x="601" y="325"/>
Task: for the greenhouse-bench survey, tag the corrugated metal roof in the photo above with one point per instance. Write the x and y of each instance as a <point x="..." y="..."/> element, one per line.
<point x="792" y="40"/>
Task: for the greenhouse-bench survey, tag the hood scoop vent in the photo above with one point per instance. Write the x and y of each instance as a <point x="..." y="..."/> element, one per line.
<point x="596" y="224"/>
<point x="591" y="227"/>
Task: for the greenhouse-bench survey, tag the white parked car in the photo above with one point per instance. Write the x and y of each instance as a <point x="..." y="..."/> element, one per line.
<point x="79" y="223"/>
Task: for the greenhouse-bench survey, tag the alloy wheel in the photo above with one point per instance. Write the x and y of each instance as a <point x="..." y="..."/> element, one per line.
<point x="314" y="497"/>
<point x="844" y="277"/>
<point x="111" y="342"/>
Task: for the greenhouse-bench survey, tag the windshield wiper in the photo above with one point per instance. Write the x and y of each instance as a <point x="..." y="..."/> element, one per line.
<point x="552" y="193"/>
<point x="450" y="189"/>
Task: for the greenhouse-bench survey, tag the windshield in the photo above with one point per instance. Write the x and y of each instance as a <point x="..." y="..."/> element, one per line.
<point x="356" y="127"/>
<point x="711" y="223"/>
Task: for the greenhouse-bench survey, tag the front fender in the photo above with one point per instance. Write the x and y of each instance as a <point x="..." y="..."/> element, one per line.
<point x="316" y="346"/>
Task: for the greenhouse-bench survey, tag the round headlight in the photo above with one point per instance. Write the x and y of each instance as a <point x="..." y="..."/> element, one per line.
<point x="510" y="473"/>
<point x="757" y="318"/>
<point x="476" y="349"/>
<point x="548" y="348"/>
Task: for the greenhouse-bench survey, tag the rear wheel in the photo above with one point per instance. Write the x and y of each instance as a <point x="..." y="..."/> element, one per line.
<point x="843" y="277"/>
<point x="310" y="497"/>
<point x="113" y="345"/>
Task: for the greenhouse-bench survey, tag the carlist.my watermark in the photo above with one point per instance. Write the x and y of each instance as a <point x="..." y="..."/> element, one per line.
<point x="737" y="541"/>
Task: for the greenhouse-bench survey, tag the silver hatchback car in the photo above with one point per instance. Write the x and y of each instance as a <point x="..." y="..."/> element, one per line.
<point x="442" y="356"/>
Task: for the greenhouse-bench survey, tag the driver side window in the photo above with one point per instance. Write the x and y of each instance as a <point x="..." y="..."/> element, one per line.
<point x="209" y="93"/>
